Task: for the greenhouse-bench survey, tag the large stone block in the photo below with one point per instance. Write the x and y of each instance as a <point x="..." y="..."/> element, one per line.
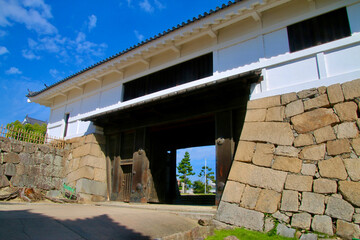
<point x="301" y="220"/>
<point x="83" y="172"/>
<point x="99" y="174"/>
<point x="10" y="169"/>
<point x="250" y="197"/>
<point x="92" y="161"/>
<point x="272" y="132"/>
<point x="338" y="147"/>
<point x="285" y="231"/>
<point x="308" y="169"/>
<point x="30" y="147"/>
<point x="11" y="157"/>
<point x="303" y="140"/>
<point x="287" y="98"/>
<point x="335" y="93"/>
<point x="44" y="148"/>
<point x="324" y="134"/>
<point x="249" y="174"/>
<point x="353" y="168"/>
<point x="17" y="147"/>
<point x="350" y="191"/>
<point x="318" y="118"/>
<point x="267" y="102"/>
<point x="91" y="187"/>
<point x="323" y="185"/>
<point x="340" y="209"/>
<point x="290" y="201"/>
<point x="355" y="143"/>
<point x="346" y="130"/>
<point x="287" y="151"/>
<point x="268" y="201"/>
<point x="275" y="114"/>
<point x="346" y="111"/>
<point x="323" y="224"/>
<point x="232" y="214"/>
<point x="244" y="151"/>
<point x="312" y="203"/>
<point x="281" y="217"/>
<point x="88" y="149"/>
<point x="26" y="159"/>
<point x="299" y="183"/>
<point x="315" y="152"/>
<point x="307" y="93"/>
<point x="347" y="230"/>
<point x="351" y="89"/>
<point x="4" y="182"/>
<point x="233" y="192"/>
<point x="95" y="138"/>
<point x="294" y="108"/>
<point x="256" y="115"/>
<point x="288" y="164"/>
<point x="321" y="101"/>
<point x="333" y="168"/>
<point x="263" y="154"/>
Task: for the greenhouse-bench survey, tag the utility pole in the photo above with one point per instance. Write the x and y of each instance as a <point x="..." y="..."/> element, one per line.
<point x="205" y="176"/>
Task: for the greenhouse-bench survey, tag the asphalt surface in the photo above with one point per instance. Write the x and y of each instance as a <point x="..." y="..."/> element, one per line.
<point x="76" y="221"/>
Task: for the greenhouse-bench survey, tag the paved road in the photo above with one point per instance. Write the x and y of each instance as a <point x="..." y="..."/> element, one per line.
<point x="75" y="221"/>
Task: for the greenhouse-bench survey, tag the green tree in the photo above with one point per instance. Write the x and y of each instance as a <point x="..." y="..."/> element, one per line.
<point x="209" y="176"/>
<point x="39" y="130"/>
<point x="199" y="187"/>
<point x="185" y="169"/>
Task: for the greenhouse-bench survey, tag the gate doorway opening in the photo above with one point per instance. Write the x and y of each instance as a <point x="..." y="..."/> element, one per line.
<point x="199" y="187"/>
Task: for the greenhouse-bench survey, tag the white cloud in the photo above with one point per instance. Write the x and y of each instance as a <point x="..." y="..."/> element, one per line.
<point x="92" y="22"/>
<point x="146" y="6"/>
<point x="159" y="5"/>
<point x="139" y="36"/>
<point x="13" y="70"/>
<point x="34" y="14"/>
<point x="28" y="54"/>
<point x="3" y="50"/>
<point x="64" y="48"/>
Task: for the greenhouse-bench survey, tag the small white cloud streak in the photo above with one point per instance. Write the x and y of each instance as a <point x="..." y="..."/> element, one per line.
<point x="92" y="22"/>
<point x="146" y="6"/>
<point x="139" y="36"/>
<point x="3" y="50"/>
<point x="13" y="70"/>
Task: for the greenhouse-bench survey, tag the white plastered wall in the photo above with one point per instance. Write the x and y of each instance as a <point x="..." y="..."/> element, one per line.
<point x="261" y="44"/>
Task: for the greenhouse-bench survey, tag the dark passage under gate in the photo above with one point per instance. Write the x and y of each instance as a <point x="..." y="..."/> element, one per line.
<point x="142" y="140"/>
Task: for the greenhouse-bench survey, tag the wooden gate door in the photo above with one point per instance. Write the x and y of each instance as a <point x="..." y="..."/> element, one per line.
<point x="126" y="180"/>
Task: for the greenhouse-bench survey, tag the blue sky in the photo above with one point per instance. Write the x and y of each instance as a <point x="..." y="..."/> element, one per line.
<point x="197" y="157"/>
<point x="42" y="42"/>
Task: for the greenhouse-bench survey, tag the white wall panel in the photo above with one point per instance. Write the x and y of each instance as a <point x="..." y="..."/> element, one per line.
<point x="291" y="73"/>
<point x="55" y="132"/>
<point x="85" y="128"/>
<point x="110" y="97"/>
<point x="73" y="109"/>
<point x="57" y="115"/>
<point x="89" y="104"/>
<point x="72" y="129"/>
<point x="354" y="17"/>
<point x="276" y="43"/>
<point x="239" y="55"/>
<point x="343" y="60"/>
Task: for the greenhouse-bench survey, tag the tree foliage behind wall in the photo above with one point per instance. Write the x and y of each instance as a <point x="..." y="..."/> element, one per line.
<point x="29" y="132"/>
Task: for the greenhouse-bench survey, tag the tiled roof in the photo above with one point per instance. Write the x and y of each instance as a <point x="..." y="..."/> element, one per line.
<point x="183" y="24"/>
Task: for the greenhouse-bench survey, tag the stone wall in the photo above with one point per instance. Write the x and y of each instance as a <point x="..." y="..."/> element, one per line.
<point x="298" y="163"/>
<point x="30" y="165"/>
<point x="86" y="167"/>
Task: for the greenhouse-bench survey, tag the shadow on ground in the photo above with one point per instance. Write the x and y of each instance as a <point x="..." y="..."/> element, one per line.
<point x="23" y="224"/>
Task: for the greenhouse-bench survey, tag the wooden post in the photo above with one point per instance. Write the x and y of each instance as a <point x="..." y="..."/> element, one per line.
<point x="224" y="151"/>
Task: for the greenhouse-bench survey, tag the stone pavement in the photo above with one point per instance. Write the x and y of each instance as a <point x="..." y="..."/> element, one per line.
<point x="107" y="221"/>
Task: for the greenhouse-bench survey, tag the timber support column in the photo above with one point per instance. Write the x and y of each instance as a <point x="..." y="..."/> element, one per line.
<point x="141" y="174"/>
<point x="224" y="150"/>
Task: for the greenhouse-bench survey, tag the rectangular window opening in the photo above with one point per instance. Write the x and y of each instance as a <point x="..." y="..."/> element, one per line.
<point x="185" y="72"/>
<point x="318" y="30"/>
